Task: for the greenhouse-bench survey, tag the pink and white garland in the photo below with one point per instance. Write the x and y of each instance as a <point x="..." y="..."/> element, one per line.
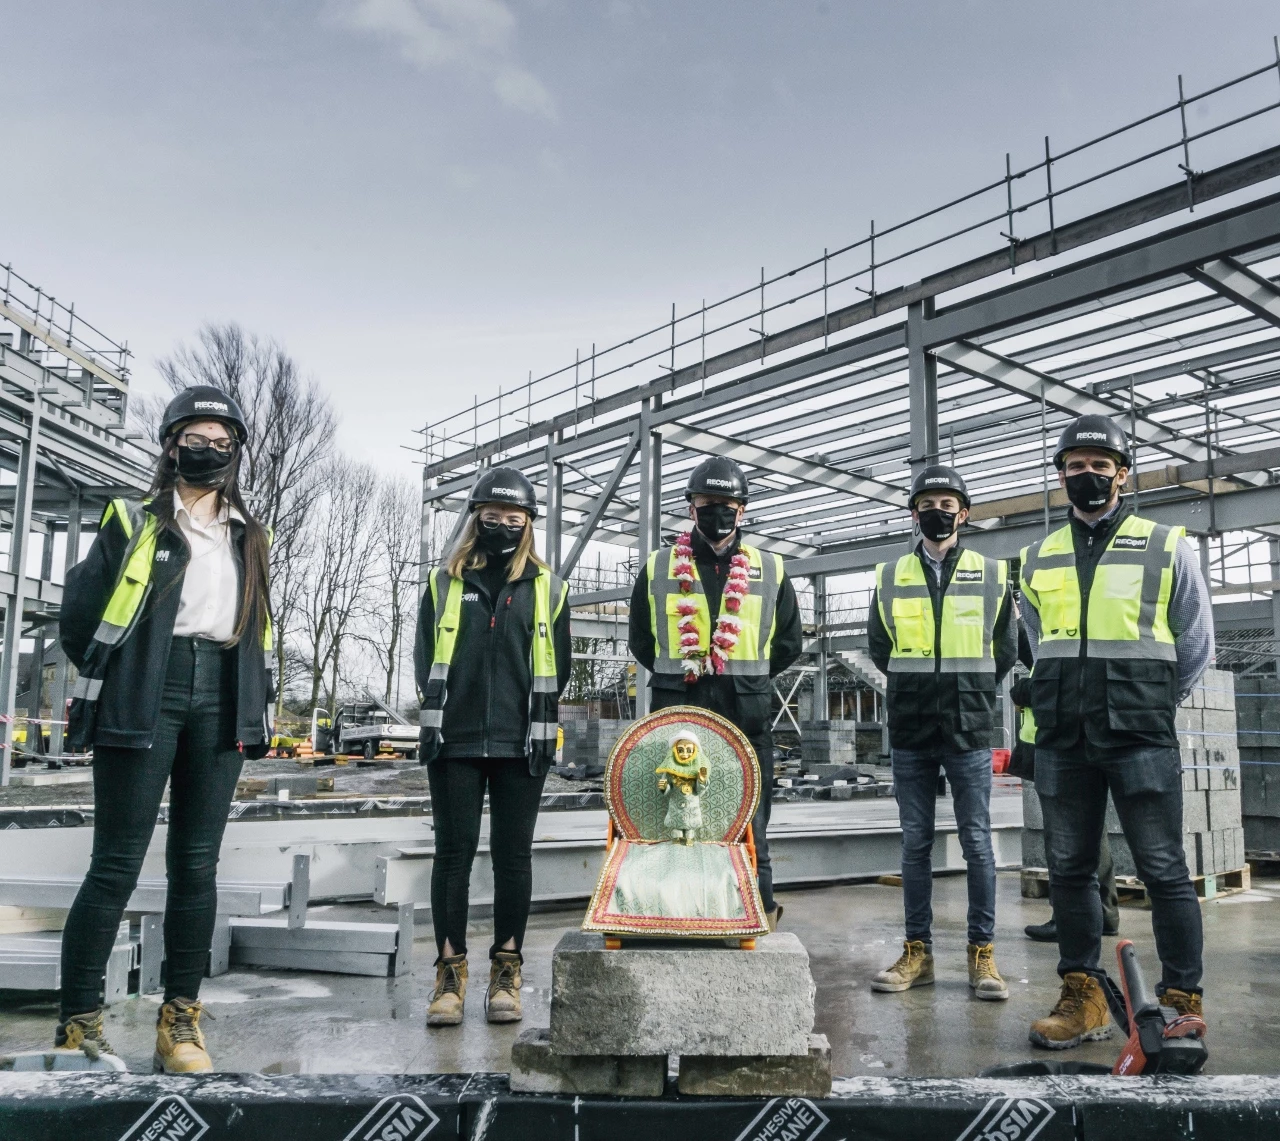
<point x="728" y="626"/>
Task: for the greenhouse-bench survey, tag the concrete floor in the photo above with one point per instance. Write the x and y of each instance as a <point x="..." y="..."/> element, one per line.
<point x="291" y="1022"/>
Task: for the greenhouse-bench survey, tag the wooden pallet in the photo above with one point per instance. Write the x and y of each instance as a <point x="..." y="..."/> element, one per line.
<point x="1133" y="892"/>
<point x="1264" y="863"/>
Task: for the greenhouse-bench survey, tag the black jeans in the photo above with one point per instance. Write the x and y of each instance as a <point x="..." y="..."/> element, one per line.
<point x="457" y="804"/>
<point x="1146" y="787"/>
<point x="195" y="750"/>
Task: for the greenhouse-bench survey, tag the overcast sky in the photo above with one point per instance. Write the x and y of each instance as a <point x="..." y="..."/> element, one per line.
<point x="425" y="198"/>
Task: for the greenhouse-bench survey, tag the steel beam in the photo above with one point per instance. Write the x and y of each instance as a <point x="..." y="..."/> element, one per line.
<point x="18" y="546"/>
<point x="1238" y="283"/>
<point x="783" y="463"/>
<point x="555" y="505"/>
<point x="594" y="514"/>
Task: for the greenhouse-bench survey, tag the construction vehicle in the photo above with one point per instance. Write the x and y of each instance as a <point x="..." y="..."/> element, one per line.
<point x="1160" y="1040"/>
<point x="371" y="728"/>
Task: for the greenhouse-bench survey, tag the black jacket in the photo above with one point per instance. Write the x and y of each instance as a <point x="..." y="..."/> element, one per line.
<point x="743" y="700"/>
<point x="486" y="710"/>
<point x="1116" y="703"/>
<point x="129" y="704"/>
<point x="950" y="713"/>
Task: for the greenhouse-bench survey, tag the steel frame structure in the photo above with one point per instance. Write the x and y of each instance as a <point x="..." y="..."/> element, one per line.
<point x="1174" y="332"/>
<point x="64" y="389"/>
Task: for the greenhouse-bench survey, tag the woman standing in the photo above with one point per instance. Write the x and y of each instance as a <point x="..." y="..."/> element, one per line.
<point x="166" y="620"/>
<point x="492" y="656"/>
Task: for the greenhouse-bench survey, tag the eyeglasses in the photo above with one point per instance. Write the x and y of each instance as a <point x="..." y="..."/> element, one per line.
<point x="224" y="446"/>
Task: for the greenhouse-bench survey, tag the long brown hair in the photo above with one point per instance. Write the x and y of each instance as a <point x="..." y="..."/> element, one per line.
<point x="466" y="554"/>
<point x="255" y="597"/>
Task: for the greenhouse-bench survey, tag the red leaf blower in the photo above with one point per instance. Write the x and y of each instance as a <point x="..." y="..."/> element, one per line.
<point x="1161" y="1041"/>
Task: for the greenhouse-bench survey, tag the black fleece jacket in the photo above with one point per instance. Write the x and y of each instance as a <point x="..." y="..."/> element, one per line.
<point x="129" y="704"/>
<point x="486" y="709"/>
<point x="743" y="700"/>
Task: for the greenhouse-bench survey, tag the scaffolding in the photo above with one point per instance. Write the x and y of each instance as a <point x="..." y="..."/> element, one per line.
<point x="64" y="453"/>
<point x="1157" y="246"/>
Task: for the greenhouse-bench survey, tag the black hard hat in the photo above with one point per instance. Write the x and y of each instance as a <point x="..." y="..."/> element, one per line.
<point x="202" y="402"/>
<point x="939" y="478"/>
<point x="1093" y="432"/>
<point x="717" y="475"/>
<point x="503" y="485"/>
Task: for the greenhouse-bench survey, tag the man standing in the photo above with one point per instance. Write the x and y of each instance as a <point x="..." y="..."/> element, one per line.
<point x="713" y="619"/>
<point x="1122" y="625"/>
<point x="941" y="629"/>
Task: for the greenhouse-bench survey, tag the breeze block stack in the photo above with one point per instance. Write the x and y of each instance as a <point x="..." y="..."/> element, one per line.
<point x="1258" y="727"/>
<point x="1213" y="832"/>
<point x="587" y="745"/>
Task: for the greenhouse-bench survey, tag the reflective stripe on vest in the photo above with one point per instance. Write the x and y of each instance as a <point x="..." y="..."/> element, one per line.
<point x="549" y="595"/>
<point x="970" y="606"/>
<point x="750" y="654"/>
<point x="1128" y="602"/>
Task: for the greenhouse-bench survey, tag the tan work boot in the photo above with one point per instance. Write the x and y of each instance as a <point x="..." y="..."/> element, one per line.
<point x="984" y="979"/>
<point x="1080" y="1016"/>
<point x="450" y="993"/>
<point x="179" y="1040"/>
<point x="84" y="1032"/>
<point x="773" y="918"/>
<point x="913" y="968"/>
<point x="1183" y="1002"/>
<point x="502" y="999"/>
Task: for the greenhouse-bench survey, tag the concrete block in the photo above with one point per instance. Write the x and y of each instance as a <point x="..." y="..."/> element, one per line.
<point x="1114" y="827"/>
<point x="769" y="1076"/>
<point x="1186" y="718"/>
<point x="1261" y="834"/>
<point x="62" y="1061"/>
<point x="1223" y="808"/>
<point x="1033" y="854"/>
<point x="1191" y="848"/>
<point x="1188" y="778"/>
<point x="681" y="999"/>
<point x="1122" y="857"/>
<point x="1195" y="811"/>
<point x="1032" y="814"/>
<point x="535" y="1069"/>
<point x="1219" y="725"/>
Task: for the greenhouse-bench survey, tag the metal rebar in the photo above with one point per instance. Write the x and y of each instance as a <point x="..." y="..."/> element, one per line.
<point x="1008" y="192"/>
<point x="762" y="312"/>
<point x="825" y="331"/>
<point x="1048" y="182"/>
<point x="873" y="267"/>
<point x="1186" y="149"/>
<point x="703" y="368"/>
<point x="1044" y="452"/>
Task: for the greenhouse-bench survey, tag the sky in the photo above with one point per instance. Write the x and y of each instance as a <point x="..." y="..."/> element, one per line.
<point x="424" y="199"/>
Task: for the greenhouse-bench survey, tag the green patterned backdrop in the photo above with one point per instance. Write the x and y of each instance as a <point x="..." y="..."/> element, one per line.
<point x="647" y="807"/>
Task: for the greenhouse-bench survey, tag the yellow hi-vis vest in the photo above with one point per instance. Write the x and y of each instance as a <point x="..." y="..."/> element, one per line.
<point x="549" y="595"/>
<point x="970" y="606"/>
<point x="749" y="656"/>
<point x="1128" y="613"/>
<point x="132" y="588"/>
<point x="1026" y="725"/>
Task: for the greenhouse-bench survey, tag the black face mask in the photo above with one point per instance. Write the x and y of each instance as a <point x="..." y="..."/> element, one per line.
<point x="203" y="467"/>
<point x="937" y="526"/>
<point x="717" y="521"/>
<point x="1089" y="491"/>
<point x="498" y="539"/>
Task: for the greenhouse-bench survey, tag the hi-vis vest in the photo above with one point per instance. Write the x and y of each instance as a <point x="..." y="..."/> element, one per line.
<point x="1026" y="725"/>
<point x="750" y="654"/>
<point x="970" y="606"/>
<point x="128" y="597"/>
<point x="1128" y="602"/>
<point x="549" y="594"/>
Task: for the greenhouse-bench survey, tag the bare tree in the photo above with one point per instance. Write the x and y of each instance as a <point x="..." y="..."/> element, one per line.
<point x="339" y="560"/>
<point x="291" y="427"/>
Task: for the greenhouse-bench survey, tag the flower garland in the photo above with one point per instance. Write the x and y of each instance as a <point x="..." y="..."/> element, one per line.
<point x="728" y="626"/>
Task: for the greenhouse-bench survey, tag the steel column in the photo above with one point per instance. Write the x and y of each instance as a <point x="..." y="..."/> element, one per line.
<point x="645" y="526"/>
<point x="58" y="696"/>
<point x="14" y="604"/>
<point x="555" y="501"/>
<point x="922" y="371"/>
<point x="821" y="702"/>
<point x="1274" y="544"/>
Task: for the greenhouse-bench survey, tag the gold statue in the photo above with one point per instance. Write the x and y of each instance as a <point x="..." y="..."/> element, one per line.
<point x="683" y="780"/>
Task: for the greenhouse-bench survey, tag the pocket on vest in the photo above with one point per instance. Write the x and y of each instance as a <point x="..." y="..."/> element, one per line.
<point x="1140" y="696"/>
<point x="975" y="701"/>
<point x="1046" y="689"/>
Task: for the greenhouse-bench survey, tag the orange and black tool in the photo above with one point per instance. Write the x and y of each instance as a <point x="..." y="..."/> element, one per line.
<point x="1161" y="1041"/>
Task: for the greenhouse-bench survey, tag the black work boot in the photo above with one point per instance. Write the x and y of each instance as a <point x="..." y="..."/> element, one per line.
<point x="1043" y="932"/>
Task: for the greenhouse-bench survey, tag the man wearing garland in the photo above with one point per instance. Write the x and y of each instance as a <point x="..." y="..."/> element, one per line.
<point x="712" y="620"/>
<point x="941" y="628"/>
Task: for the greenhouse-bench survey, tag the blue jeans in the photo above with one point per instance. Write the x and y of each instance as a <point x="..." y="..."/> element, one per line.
<point x="1146" y="787"/>
<point x="915" y="784"/>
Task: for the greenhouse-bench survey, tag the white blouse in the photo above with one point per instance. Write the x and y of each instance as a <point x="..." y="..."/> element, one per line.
<point x="207" y="608"/>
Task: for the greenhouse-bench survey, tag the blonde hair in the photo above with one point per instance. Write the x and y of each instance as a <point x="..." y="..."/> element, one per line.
<point x="466" y="554"/>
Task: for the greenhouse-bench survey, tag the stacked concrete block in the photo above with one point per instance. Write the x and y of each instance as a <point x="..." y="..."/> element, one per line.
<point x="587" y="745"/>
<point x="1258" y="729"/>
<point x="828" y="743"/>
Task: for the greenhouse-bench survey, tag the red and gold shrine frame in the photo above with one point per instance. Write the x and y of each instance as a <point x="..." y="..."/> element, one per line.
<point x="665" y="719"/>
<point x="601" y="918"/>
